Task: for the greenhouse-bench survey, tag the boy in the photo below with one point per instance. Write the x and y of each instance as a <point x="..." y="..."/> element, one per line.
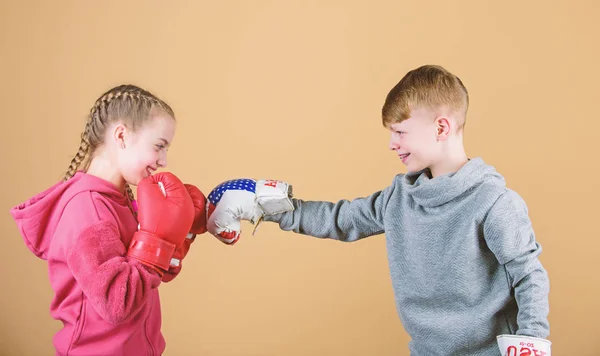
<point x="462" y="253"/>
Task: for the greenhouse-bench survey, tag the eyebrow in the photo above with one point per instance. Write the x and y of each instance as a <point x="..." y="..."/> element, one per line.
<point x="165" y="141"/>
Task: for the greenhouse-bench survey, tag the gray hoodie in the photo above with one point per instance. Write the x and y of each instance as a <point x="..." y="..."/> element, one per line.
<point x="462" y="256"/>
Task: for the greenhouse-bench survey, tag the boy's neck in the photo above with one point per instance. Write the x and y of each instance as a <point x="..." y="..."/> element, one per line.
<point x="101" y="167"/>
<point x="454" y="160"/>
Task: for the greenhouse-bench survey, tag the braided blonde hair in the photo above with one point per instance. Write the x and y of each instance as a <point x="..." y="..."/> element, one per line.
<point x="130" y="103"/>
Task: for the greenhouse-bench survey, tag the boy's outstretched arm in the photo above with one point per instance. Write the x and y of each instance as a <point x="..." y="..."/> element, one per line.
<point x="344" y="220"/>
<point x="509" y="234"/>
<point x="268" y="200"/>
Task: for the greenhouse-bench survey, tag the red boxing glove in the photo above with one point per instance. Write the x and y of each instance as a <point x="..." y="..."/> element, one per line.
<point x="165" y="214"/>
<point x="198" y="226"/>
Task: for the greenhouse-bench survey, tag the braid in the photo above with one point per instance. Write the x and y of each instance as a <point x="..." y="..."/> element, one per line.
<point x="131" y="198"/>
<point x="124" y="93"/>
<point x="93" y="128"/>
<point x="129" y="192"/>
<point x="81" y="154"/>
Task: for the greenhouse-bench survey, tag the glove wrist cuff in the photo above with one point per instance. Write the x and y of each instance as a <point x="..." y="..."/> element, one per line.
<point x="150" y="249"/>
<point x="273" y="197"/>
<point x="523" y="345"/>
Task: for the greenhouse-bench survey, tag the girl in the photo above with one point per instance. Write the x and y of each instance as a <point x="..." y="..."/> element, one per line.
<point x="106" y="296"/>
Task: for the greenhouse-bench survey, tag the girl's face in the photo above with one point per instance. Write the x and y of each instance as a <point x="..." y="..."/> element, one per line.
<point x="144" y="151"/>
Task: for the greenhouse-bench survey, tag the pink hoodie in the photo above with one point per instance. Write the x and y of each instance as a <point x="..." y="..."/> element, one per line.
<point x="109" y="304"/>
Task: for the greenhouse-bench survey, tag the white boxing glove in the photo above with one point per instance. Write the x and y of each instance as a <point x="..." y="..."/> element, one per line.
<point x="244" y="199"/>
<point x="518" y="345"/>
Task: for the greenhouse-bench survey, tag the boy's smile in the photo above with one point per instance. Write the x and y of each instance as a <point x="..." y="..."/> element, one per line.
<point x="403" y="157"/>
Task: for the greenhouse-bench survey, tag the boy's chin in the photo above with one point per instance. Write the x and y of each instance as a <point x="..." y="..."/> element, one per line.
<point x="415" y="168"/>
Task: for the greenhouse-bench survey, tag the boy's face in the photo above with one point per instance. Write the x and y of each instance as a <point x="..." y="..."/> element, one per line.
<point x="414" y="140"/>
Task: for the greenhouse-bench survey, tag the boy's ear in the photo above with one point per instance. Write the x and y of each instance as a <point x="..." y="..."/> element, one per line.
<point x="442" y="128"/>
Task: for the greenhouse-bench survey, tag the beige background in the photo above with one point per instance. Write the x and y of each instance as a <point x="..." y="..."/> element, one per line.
<point x="293" y="90"/>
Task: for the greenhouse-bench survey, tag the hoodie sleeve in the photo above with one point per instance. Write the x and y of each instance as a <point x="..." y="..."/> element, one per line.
<point x="345" y="220"/>
<point x="172" y="273"/>
<point x="509" y="234"/>
<point x="116" y="286"/>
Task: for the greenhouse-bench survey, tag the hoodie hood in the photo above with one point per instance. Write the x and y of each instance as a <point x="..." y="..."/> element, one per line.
<point x="432" y="192"/>
<point x="38" y="217"/>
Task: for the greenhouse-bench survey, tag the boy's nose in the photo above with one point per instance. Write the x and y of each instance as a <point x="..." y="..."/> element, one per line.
<point x="393" y="144"/>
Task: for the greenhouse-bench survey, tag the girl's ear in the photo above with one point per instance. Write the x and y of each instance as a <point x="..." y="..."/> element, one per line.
<point x="119" y="135"/>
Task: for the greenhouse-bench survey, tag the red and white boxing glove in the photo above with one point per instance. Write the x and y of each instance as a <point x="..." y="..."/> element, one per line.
<point x="519" y="345"/>
<point x="244" y="199"/>
<point x="165" y="214"/>
<point x="198" y="226"/>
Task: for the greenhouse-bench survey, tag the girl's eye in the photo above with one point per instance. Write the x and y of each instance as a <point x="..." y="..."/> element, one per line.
<point x="160" y="147"/>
